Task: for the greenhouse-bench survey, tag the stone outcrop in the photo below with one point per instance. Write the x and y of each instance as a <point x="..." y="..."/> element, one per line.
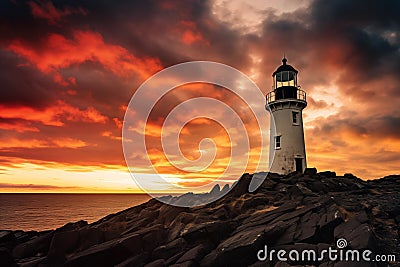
<point x="296" y="211"/>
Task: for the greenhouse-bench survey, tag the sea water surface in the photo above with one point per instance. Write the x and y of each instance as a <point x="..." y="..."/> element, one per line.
<point x="49" y="211"/>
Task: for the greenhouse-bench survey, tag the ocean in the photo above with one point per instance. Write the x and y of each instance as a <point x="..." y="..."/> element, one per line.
<point x="48" y="211"/>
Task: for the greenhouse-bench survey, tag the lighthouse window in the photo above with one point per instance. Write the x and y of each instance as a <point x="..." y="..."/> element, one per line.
<point x="277" y="142"/>
<point x="295" y="117"/>
<point x="285" y="78"/>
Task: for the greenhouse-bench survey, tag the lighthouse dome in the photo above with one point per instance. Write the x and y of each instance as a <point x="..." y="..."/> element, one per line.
<point x="284" y="67"/>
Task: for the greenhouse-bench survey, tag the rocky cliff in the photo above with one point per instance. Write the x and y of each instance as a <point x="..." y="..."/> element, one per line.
<point x="293" y="212"/>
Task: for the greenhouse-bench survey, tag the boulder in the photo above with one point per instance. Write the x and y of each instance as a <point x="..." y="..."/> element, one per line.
<point x="215" y="191"/>
<point x="7" y="236"/>
<point x="185" y="264"/>
<point x="168" y="250"/>
<point x="108" y="253"/>
<point x="214" y="230"/>
<point x="138" y="260"/>
<point x="89" y="237"/>
<point x="358" y="235"/>
<point x="62" y="243"/>
<point x="156" y="263"/>
<point x="238" y="250"/>
<point x="328" y="174"/>
<point x="194" y="254"/>
<point x="310" y="171"/>
<point x="37" y="246"/>
<point x="6" y="258"/>
<point x="225" y="189"/>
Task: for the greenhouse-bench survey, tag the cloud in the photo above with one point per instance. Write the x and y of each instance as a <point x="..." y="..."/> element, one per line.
<point x="46" y="10"/>
<point x="36" y="187"/>
<point x="56" y="115"/>
<point x="58" y="52"/>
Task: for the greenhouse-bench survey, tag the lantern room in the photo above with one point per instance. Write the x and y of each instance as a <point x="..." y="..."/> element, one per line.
<point x="285" y="75"/>
<point x="285" y="83"/>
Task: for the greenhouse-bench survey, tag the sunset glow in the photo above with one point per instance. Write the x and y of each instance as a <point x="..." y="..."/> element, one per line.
<point x="70" y="70"/>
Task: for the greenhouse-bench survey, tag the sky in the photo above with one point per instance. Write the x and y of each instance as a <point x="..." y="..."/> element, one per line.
<point x="70" y="68"/>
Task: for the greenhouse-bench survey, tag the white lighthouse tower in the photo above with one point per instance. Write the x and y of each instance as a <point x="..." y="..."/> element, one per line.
<point x="285" y="103"/>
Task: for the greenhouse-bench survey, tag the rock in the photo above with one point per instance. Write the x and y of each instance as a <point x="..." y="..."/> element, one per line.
<point x="72" y="226"/>
<point x="6" y="258"/>
<point x="33" y="262"/>
<point x="168" y="250"/>
<point x="307" y="227"/>
<point x="169" y="213"/>
<point x="357" y="234"/>
<point x="7" y="236"/>
<point x="330" y="218"/>
<point x="300" y="247"/>
<point x="225" y="189"/>
<point x="109" y="253"/>
<point x="193" y="254"/>
<point x="310" y="171"/>
<point x="153" y="237"/>
<point x="281" y="264"/>
<point x="156" y="263"/>
<point x="230" y="252"/>
<point x="349" y="175"/>
<point x="38" y="245"/>
<point x="397" y="219"/>
<point x="62" y="243"/>
<point x="257" y="180"/>
<point x="215" y="191"/>
<point x="213" y="230"/>
<point x="174" y="258"/>
<point x="89" y="237"/>
<point x="138" y="260"/>
<point x="67" y="241"/>
<point x="241" y="186"/>
<point x="288" y="236"/>
<point x="185" y="264"/>
<point x="289" y="211"/>
<point x="328" y="174"/>
<point x="318" y="187"/>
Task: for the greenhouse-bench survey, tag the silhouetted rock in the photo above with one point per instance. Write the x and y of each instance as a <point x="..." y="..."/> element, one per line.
<point x="225" y="189"/>
<point x="6" y="258"/>
<point x="294" y="211"/>
<point x="215" y="191"/>
<point x="310" y="171"/>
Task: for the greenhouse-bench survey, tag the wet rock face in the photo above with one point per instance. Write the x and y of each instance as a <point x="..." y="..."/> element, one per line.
<point x="295" y="211"/>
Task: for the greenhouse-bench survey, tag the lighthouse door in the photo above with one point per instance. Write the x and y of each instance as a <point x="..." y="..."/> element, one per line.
<point x="299" y="165"/>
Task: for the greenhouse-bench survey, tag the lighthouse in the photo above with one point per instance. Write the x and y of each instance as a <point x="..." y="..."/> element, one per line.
<point x="285" y="104"/>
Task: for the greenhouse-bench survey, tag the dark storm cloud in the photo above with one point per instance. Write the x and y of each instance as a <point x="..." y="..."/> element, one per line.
<point x="374" y="126"/>
<point x="23" y="84"/>
<point x="363" y="27"/>
<point x="357" y="39"/>
<point x="155" y="28"/>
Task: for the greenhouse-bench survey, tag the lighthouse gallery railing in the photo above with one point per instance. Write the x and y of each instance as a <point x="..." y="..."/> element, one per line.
<point x="272" y="96"/>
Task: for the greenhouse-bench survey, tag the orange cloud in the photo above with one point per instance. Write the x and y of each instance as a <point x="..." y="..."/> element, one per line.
<point x="54" y="115"/>
<point x="7" y="143"/>
<point x="57" y="52"/>
<point x="190" y="34"/>
<point x="18" y="126"/>
<point x="30" y="187"/>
